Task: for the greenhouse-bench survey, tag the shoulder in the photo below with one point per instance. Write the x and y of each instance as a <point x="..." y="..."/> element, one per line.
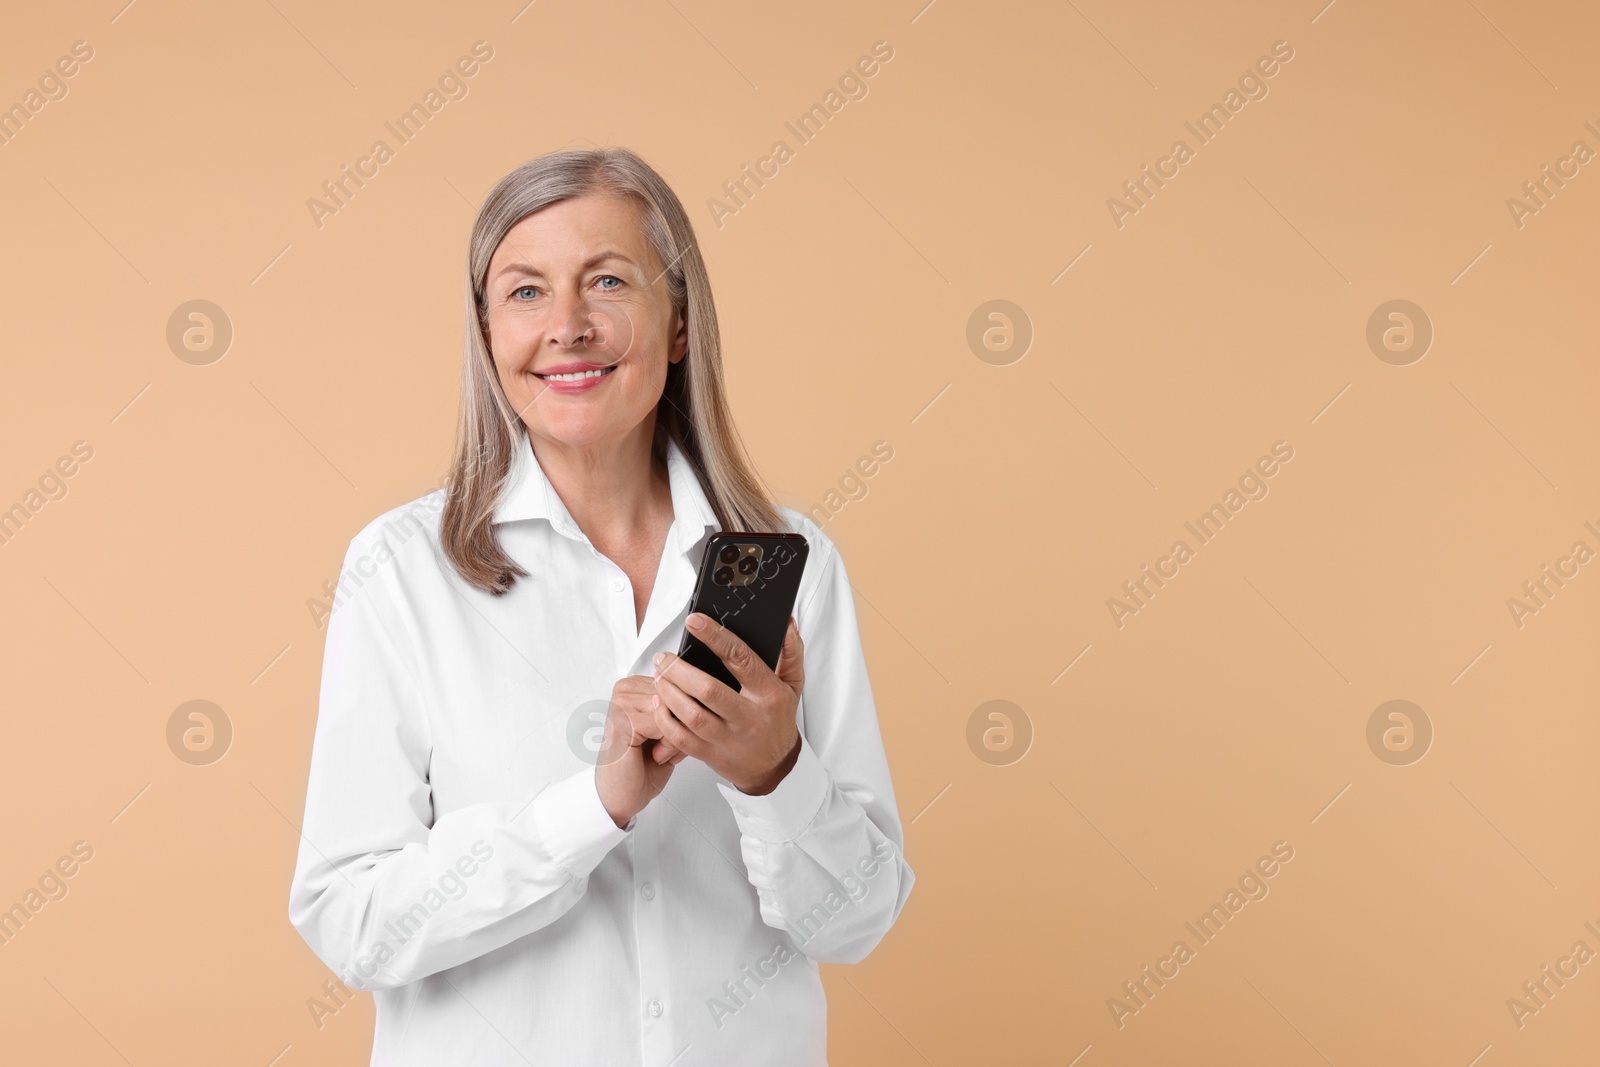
<point x="821" y="546"/>
<point x="824" y="567"/>
<point x="407" y="534"/>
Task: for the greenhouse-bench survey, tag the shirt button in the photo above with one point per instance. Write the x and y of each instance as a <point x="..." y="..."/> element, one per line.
<point x="648" y="890"/>
<point x="655" y="1009"/>
<point x="616" y="585"/>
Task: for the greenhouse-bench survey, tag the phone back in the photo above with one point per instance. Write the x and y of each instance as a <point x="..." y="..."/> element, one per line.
<point x="748" y="583"/>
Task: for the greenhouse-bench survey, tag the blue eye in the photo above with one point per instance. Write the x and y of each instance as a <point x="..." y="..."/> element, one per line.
<point x="612" y="277"/>
<point x="524" y="289"/>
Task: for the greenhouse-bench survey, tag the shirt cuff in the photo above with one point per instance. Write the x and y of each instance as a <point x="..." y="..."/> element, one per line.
<point x="574" y="825"/>
<point x="784" y="813"/>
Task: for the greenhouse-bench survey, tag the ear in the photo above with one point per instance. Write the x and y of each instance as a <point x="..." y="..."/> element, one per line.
<point x="680" y="341"/>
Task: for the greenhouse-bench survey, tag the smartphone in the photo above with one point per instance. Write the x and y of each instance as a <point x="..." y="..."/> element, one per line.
<point x="748" y="583"/>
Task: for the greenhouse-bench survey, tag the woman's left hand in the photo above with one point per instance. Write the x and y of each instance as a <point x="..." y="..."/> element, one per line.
<point x="750" y="737"/>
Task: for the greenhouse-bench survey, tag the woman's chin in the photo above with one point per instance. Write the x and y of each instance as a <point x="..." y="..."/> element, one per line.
<point x="580" y="432"/>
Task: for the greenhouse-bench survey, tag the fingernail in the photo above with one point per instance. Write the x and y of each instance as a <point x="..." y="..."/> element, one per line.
<point x="655" y="702"/>
<point x="659" y="657"/>
<point x="697" y="621"/>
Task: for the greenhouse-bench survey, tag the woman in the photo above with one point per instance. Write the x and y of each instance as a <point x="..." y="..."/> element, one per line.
<point x="509" y="896"/>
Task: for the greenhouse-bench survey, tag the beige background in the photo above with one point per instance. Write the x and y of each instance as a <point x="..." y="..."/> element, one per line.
<point x="1228" y="314"/>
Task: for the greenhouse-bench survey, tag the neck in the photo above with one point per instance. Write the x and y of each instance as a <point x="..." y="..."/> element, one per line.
<point x="612" y="489"/>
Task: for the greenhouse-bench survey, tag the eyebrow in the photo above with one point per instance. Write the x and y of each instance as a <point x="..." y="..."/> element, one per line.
<point x="593" y="261"/>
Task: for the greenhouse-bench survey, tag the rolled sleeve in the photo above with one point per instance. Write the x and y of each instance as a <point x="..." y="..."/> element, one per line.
<point x="574" y="824"/>
<point x="783" y="814"/>
<point x="833" y="818"/>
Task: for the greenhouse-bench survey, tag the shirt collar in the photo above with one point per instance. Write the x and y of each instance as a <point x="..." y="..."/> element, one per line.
<point x="528" y="494"/>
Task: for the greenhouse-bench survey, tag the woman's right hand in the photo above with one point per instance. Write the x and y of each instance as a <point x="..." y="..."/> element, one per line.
<point x="626" y="772"/>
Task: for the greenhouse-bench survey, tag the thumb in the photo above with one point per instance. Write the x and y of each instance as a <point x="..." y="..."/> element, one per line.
<point x="791" y="660"/>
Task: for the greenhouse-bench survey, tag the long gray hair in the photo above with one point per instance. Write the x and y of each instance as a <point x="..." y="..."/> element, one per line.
<point x="693" y="410"/>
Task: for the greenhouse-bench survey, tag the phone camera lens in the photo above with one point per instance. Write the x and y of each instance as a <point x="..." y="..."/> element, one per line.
<point x="748" y="565"/>
<point x="728" y="554"/>
<point x="722" y="575"/>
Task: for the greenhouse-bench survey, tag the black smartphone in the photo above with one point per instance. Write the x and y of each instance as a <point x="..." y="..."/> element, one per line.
<point x="748" y="583"/>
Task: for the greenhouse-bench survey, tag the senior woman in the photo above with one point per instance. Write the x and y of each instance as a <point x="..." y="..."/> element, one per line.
<point x="531" y="831"/>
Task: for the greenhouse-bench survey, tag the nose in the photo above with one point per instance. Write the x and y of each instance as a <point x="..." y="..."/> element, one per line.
<point x="603" y="329"/>
<point x="571" y="320"/>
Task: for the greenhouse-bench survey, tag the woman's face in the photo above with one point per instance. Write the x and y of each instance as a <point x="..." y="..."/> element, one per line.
<point x="580" y="323"/>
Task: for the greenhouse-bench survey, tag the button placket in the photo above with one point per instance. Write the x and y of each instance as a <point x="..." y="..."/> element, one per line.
<point x="620" y="608"/>
<point x="650" y="928"/>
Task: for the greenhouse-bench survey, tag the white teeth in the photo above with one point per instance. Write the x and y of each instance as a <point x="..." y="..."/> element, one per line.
<point x="576" y="377"/>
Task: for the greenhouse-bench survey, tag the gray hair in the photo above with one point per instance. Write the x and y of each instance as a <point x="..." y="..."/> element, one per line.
<point x="693" y="410"/>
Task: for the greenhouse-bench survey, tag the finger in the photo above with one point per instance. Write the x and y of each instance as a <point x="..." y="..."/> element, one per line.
<point x="636" y="716"/>
<point x="621" y="735"/>
<point x="679" y="758"/>
<point x="642" y="725"/>
<point x="634" y="685"/>
<point x="680" y="736"/>
<point x="632" y="695"/>
<point x="662" y="750"/>
<point x="676" y="705"/>
<point x="791" y="661"/>
<point x="709" y="691"/>
<point x="741" y="662"/>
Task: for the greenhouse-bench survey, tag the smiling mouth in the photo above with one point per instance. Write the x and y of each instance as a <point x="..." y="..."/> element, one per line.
<point x="599" y="372"/>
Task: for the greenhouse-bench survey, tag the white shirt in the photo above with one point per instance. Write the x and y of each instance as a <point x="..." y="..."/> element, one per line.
<point x="456" y="859"/>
